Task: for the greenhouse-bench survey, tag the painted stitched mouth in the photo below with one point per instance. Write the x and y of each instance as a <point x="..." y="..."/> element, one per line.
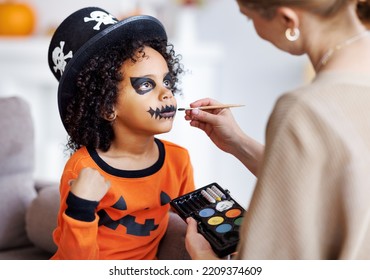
<point x="166" y="112"/>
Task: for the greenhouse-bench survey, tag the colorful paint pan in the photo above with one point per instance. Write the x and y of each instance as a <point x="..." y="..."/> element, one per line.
<point x="216" y="220"/>
<point x="217" y="214"/>
<point x="206" y="212"/>
<point x="238" y="221"/>
<point x="233" y="213"/>
<point x="224" y="205"/>
<point x="224" y="228"/>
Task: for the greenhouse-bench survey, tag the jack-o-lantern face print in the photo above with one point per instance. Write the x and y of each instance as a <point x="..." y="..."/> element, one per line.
<point x="129" y="221"/>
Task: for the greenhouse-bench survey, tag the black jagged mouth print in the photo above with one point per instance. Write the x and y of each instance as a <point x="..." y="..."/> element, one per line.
<point x="166" y="112"/>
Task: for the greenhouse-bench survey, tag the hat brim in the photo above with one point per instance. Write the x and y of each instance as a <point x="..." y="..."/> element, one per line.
<point x="141" y="27"/>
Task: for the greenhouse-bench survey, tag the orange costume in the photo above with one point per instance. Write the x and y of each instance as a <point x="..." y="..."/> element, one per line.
<point x="131" y="219"/>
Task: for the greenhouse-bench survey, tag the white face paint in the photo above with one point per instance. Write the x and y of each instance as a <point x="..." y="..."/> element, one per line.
<point x="224" y="205"/>
<point x="59" y="58"/>
<point x="100" y="17"/>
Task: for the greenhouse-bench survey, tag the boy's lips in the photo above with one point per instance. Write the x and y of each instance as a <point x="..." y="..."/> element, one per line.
<point x="168" y="114"/>
<point x="168" y="111"/>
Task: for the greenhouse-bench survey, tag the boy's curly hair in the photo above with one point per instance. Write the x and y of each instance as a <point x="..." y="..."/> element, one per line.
<point x="97" y="92"/>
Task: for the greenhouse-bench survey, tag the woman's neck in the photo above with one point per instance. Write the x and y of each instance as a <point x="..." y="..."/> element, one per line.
<point x="330" y="39"/>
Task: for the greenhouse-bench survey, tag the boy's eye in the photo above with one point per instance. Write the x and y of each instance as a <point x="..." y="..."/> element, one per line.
<point x="167" y="84"/>
<point x="142" y="85"/>
<point x="168" y="81"/>
<point x="145" y="86"/>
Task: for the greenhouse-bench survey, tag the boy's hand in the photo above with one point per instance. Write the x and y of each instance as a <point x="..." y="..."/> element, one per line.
<point x="89" y="185"/>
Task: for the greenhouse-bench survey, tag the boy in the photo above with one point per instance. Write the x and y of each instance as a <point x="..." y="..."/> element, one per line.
<point x="117" y="81"/>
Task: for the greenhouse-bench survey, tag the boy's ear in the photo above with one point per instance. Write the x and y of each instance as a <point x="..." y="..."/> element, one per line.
<point x="109" y="116"/>
<point x="289" y="17"/>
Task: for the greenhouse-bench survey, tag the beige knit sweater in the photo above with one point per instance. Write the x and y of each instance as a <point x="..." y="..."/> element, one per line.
<point x="312" y="198"/>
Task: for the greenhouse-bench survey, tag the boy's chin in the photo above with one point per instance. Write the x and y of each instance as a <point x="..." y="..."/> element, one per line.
<point x="166" y="127"/>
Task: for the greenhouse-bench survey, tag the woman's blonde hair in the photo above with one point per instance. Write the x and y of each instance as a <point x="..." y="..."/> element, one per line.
<point x="324" y="8"/>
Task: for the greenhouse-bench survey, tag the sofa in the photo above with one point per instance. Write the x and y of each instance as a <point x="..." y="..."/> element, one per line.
<point x="29" y="207"/>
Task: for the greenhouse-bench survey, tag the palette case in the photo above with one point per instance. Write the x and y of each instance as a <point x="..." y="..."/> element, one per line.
<point x="218" y="216"/>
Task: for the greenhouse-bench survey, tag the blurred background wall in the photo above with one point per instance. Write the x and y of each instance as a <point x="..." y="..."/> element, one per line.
<point x="224" y="59"/>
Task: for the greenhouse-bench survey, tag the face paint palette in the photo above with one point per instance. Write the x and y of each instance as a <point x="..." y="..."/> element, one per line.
<point x="218" y="215"/>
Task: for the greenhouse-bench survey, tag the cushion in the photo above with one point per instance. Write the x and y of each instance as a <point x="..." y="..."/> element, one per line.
<point x="16" y="170"/>
<point x="172" y="246"/>
<point x="41" y="218"/>
<point x="25" y="253"/>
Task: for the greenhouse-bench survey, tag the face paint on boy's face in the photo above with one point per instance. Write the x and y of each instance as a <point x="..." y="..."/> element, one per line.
<point x="143" y="85"/>
<point x="168" y="82"/>
<point x="166" y="112"/>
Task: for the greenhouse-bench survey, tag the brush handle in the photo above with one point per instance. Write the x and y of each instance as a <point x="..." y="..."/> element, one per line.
<point x="223" y="106"/>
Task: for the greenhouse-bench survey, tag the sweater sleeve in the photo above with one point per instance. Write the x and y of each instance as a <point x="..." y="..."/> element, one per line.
<point x="80" y="209"/>
<point x="77" y="229"/>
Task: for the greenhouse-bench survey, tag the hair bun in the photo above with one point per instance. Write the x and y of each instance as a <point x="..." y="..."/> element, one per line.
<point x="363" y="9"/>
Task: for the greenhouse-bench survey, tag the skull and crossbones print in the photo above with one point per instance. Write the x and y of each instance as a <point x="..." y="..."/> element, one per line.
<point x="100" y="17"/>
<point x="59" y="58"/>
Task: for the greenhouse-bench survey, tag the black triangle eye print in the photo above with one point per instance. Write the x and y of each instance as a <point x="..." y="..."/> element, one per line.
<point x="120" y="204"/>
<point x="165" y="198"/>
<point x="128" y="221"/>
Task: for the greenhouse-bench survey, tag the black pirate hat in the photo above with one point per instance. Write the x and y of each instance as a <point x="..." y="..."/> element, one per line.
<point x="82" y="34"/>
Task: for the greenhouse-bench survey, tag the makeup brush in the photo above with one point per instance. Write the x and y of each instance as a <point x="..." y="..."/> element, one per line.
<point x="221" y="106"/>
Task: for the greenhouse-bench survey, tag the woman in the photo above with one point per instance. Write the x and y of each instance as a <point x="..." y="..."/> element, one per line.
<point x="312" y="195"/>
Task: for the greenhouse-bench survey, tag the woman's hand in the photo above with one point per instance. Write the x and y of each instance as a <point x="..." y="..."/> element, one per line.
<point x="222" y="129"/>
<point x="218" y="124"/>
<point x="89" y="185"/>
<point x="196" y="245"/>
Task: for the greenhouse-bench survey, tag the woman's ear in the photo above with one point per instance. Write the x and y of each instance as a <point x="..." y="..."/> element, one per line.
<point x="288" y="16"/>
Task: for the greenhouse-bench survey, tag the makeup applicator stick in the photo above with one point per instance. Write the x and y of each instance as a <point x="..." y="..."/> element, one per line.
<point x="222" y="106"/>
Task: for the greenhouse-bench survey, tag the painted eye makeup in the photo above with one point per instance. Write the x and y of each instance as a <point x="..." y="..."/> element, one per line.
<point x="168" y="81"/>
<point x="142" y="85"/>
